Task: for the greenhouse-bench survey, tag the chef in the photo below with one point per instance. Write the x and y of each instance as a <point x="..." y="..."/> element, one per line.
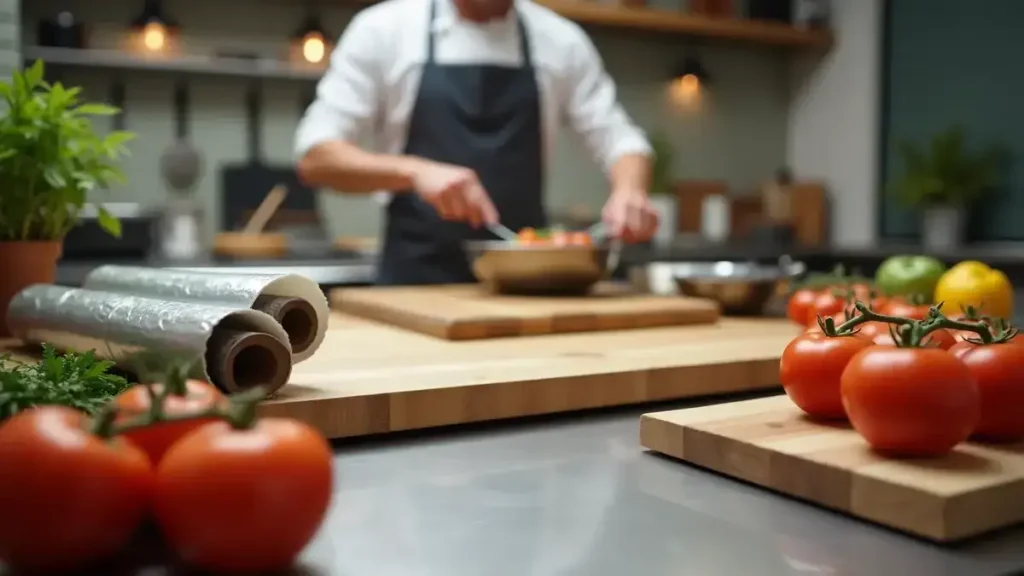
<point x="465" y="98"/>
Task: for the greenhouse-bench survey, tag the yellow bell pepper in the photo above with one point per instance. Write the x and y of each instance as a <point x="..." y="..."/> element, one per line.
<point x="971" y="283"/>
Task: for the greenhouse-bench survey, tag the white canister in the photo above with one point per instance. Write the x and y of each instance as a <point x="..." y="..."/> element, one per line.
<point x="665" y="207"/>
<point x="714" y="218"/>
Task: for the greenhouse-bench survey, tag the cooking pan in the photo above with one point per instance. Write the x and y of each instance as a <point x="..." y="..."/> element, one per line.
<point x="243" y="186"/>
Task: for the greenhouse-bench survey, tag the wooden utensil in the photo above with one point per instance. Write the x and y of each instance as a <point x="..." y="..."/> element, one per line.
<point x="252" y="242"/>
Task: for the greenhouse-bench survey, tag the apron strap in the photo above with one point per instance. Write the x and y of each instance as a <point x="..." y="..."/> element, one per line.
<point x="524" y="40"/>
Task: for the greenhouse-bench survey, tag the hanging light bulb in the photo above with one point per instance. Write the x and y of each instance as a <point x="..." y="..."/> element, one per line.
<point x="309" y="43"/>
<point x="154" y="36"/>
<point x="152" y="29"/>
<point x="688" y="81"/>
<point x="314" y="48"/>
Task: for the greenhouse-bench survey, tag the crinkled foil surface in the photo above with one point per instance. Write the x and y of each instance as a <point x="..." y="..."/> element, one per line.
<point x="115" y="325"/>
<point x="215" y="288"/>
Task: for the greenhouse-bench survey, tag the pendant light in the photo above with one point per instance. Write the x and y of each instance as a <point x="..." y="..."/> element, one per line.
<point x="311" y="44"/>
<point x="153" y="32"/>
<point x="689" y="77"/>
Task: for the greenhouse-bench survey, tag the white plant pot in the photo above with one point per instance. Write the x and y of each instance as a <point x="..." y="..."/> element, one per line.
<point x="942" y="228"/>
<point x="665" y="207"/>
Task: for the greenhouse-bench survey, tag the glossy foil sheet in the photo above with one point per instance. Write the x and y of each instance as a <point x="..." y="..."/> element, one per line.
<point x="227" y="289"/>
<point x="119" y="327"/>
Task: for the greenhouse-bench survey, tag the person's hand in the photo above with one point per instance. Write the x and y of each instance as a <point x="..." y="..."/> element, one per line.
<point x="455" y="192"/>
<point x="629" y="215"/>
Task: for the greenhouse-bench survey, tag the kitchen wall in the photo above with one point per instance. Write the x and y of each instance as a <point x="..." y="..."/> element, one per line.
<point x="738" y="135"/>
<point x="10" y="36"/>
<point x="954" y="62"/>
<point x="834" y="119"/>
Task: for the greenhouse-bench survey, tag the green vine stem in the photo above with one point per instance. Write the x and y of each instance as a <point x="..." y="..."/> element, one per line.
<point x="240" y="413"/>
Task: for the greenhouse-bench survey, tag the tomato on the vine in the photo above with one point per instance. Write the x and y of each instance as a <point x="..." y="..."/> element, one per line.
<point x="248" y="499"/>
<point x="942" y="339"/>
<point x="825" y="304"/>
<point x="999" y="371"/>
<point x="910" y="401"/>
<point x="810" y="369"/>
<point x="158" y="438"/>
<point x="799" y="305"/>
<point x="69" y="498"/>
<point x="868" y="329"/>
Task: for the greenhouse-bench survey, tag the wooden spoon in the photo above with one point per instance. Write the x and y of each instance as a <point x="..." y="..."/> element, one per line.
<point x="252" y="242"/>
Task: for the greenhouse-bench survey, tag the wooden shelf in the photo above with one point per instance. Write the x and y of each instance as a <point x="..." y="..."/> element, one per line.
<point x="668" y="21"/>
<point x="193" y="65"/>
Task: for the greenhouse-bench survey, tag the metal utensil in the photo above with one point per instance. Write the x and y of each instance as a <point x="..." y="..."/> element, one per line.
<point x="503" y="232"/>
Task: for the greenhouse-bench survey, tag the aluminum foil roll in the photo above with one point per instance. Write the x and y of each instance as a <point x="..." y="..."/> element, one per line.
<point x="296" y="302"/>
<point x="233" y="348"/>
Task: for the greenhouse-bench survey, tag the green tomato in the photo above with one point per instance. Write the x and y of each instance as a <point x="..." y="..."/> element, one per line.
<point x="909" y="275"/>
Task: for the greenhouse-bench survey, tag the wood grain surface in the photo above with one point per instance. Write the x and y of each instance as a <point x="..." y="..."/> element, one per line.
<point x="469" y="312"/>
<point x="769" y="442"/>
<point x="370" y="378"/>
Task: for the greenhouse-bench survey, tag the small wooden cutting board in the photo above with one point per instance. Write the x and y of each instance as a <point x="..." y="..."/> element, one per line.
<point x="769" y="442"/>
<point x="468" y="312"/>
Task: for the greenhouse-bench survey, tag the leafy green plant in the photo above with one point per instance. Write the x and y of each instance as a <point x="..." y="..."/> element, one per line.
<point x="946" y="172"/>
<point x="661" y="170"/>
<point x="51" y="157"/>
<point x="77" y="380"/>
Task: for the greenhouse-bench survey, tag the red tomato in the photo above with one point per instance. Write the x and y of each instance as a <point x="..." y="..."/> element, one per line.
<point x="68" y="498"/>
<point x="244" y="500"/>
<point x="799" y="306"/>
<point x="903" y="309"/>
<point x="942" y="339"/>
<point x="999" y="371"/>
<point x="910" y="401"/>
<point x="826" y="304"/>
<point x="157" y="439"/>
<point x="810" y="370"/>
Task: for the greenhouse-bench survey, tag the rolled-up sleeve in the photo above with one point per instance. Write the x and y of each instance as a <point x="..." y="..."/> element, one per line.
<point x="346" y="104"/>
<point x="593" y="110"/>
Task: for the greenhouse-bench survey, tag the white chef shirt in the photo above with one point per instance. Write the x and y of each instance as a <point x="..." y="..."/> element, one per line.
<point x="368" y="91"/>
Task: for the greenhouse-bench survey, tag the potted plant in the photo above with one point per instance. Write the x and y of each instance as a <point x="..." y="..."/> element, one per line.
<point x="51" y="158"/>
<point x="662" y="190"/>
<point x="943" y="180"/>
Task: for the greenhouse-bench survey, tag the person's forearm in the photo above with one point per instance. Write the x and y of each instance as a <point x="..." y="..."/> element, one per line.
<point x="631" y="172"/>
<point x="345" y="167"/>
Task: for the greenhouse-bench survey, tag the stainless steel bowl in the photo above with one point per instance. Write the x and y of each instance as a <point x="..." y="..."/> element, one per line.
<point x="741" y="288"/>
<point x="510" y="268"/>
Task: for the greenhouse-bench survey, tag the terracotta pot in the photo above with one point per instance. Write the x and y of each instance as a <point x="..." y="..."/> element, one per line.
<point x="23" y="264"/>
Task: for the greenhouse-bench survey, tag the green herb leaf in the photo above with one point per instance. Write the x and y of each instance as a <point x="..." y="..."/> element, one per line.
<point x="108" y="222"/>
<point x="77" y="380"/>
<point x="97" y="110"/>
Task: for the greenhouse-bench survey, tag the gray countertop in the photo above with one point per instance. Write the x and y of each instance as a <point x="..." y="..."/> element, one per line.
<point x="578" y="495"/>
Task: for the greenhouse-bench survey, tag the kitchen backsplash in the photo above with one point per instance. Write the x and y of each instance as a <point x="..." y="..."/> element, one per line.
<point x="737" y="135"/>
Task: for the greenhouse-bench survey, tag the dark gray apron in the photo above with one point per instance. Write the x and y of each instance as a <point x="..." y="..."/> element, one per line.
<point x="483" y="117"/>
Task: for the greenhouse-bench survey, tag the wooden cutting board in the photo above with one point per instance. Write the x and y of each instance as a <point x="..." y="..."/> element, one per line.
<point x="469" y="312"/>
<point x="371" y="378"/>
<point x="769" y="442"/>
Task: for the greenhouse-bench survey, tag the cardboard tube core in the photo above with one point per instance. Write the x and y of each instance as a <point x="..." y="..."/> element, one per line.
<point x="295" y="315"/>
<point x="237" y="360"/>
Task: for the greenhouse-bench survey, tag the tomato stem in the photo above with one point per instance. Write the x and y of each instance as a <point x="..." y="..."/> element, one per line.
<point x="937" y="321"/>
<point x="103" y="423"/>
<point x="869" y="315"/>
<point x="240" y="413"/>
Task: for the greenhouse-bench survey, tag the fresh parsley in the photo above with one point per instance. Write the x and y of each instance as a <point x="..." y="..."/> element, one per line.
<point x="77" y="380"/>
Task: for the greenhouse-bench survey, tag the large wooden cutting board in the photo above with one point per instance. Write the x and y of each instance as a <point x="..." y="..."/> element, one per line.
<point x="371" y="378"/>
<point x="770" y="443"/>
<point x="469" y="312"/>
